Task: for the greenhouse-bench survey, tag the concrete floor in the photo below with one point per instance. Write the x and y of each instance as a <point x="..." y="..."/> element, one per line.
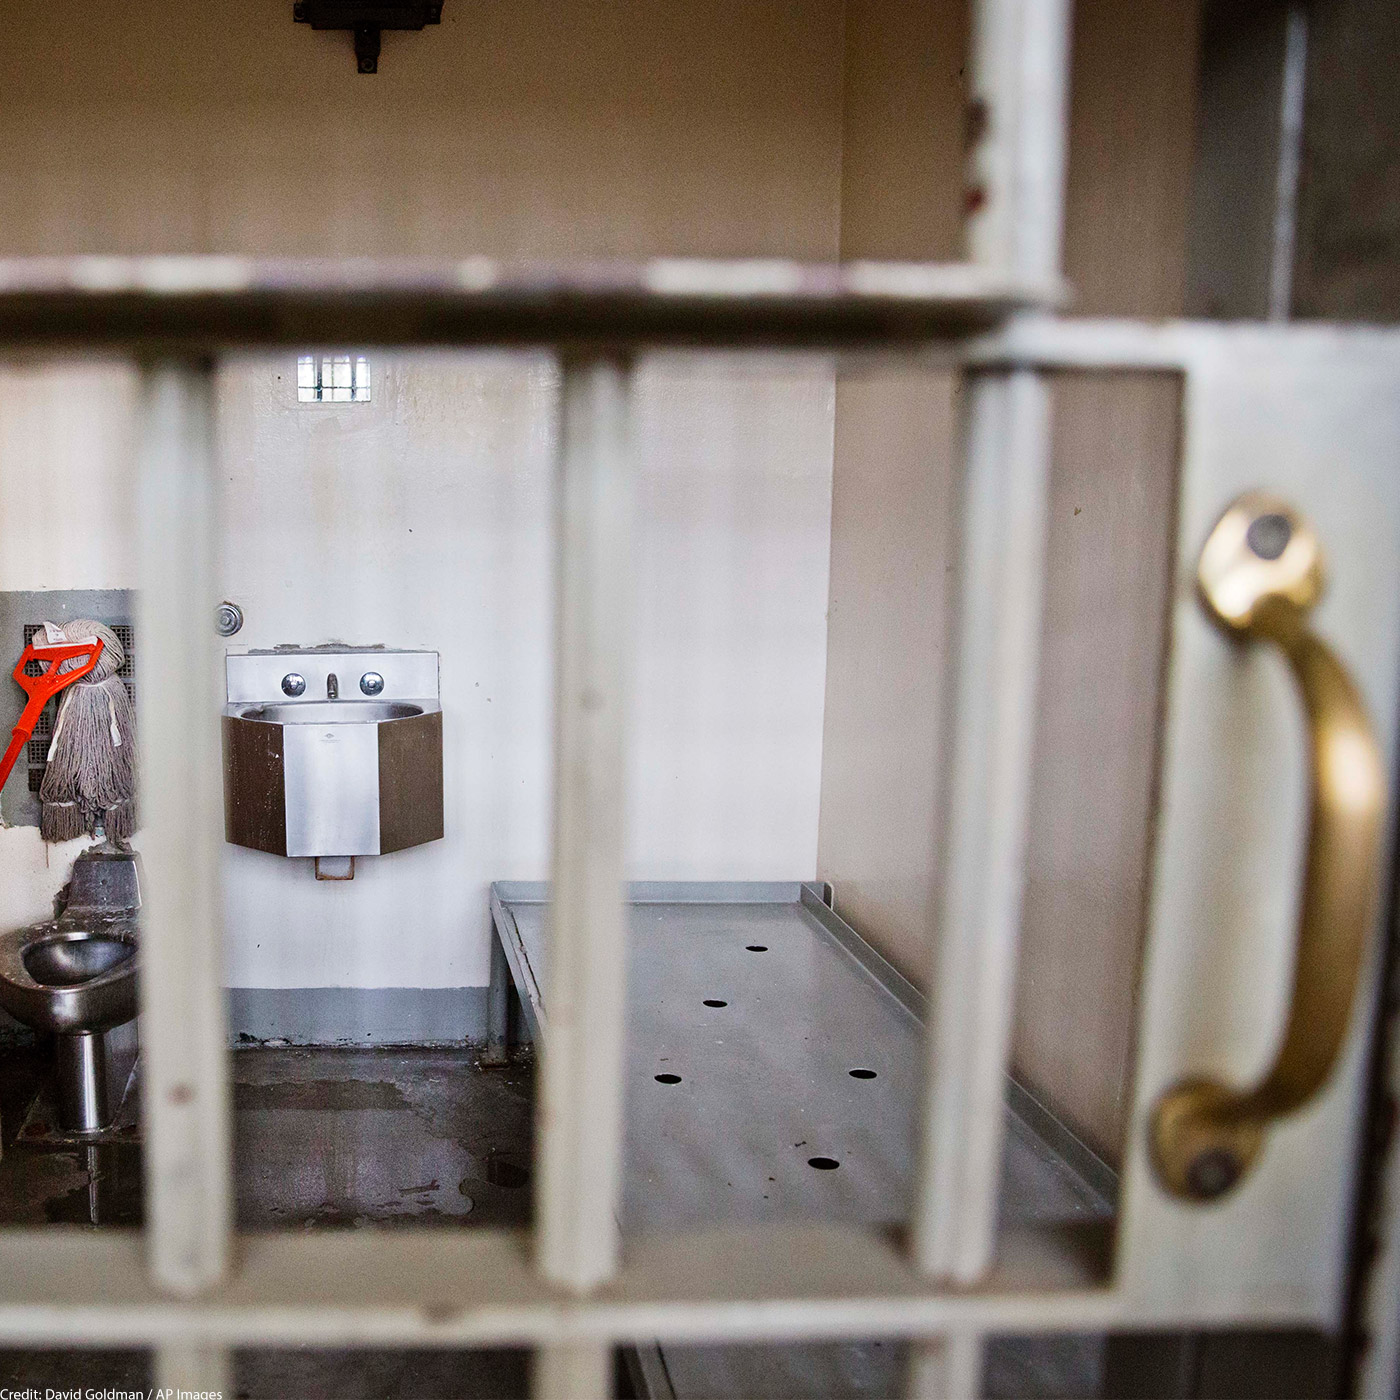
<point x="324" y="1139"/>
<point x="334" y="1139"/>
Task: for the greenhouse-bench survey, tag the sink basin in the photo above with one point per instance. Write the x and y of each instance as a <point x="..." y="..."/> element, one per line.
<point x="360" y="775"/>
<point x="71" y="960"/>
<point x="331" y="711"/>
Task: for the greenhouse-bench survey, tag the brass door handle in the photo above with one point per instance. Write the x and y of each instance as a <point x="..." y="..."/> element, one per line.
<point x="1259" y="575"/>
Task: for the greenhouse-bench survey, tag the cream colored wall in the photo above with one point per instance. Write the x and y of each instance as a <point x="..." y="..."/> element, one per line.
<point x="890" y="532"/>
<point x="1112" y="513"/>
<point x="902" y="145"/>
<point x="526" y="128"/>
<point x="66" y="521"/>
<point x="1132" y="88"/>
<point x="901" y="173"/>
<point x="1132" y="142"/>
<point x="546" y="130"/>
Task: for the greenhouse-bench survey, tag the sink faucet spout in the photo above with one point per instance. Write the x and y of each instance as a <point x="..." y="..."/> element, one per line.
<point x="332" y="687"/>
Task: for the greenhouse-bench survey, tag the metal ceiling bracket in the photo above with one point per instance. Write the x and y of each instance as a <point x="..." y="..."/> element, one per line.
<point x="367" y="19"/>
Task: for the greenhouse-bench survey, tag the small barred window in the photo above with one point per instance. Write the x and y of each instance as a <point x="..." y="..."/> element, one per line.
<point x="333" y="378"/>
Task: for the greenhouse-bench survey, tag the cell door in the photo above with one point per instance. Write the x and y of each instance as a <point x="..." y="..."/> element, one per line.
<point x="1267" y="907"/>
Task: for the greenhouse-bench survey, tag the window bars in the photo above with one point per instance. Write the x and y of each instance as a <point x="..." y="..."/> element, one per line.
<point x="199" y="1289"/>
<point x="333" y="379"/>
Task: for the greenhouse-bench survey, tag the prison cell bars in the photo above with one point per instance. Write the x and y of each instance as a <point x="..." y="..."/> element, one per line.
<point x="72" y="1287"/>
<point x="1016" y="174"/>
<point x="1015" y="196"/>
<point x="579" y="1122"/>
<point x="184" y="1043"/>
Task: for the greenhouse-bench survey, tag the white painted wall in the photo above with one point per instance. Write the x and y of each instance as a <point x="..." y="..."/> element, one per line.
<point x="553" y="130"/>
<point x="423" y="519"/>
<point x="65" y="522"/>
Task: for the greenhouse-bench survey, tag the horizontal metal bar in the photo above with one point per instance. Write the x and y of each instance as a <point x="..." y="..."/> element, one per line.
<point x="74" y="1287"/>
<point x="1089" y="343"/>
<point x="182" y="304"/>
<point x="1108" y="345"/>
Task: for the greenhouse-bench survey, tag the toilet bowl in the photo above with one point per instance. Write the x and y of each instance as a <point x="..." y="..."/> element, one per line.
<point x="76" y="976"/>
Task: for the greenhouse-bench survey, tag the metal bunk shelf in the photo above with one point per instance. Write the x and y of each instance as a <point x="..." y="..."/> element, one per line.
<point x="773" y="1067"/>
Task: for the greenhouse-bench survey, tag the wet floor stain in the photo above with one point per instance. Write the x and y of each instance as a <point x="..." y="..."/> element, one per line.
<point x="35" y="1187"/>
<point x="107" y="1189"/>
<point x="324" y="1140"/>
<point x="344" y="1138"/>
<point x="318" y="1096"/>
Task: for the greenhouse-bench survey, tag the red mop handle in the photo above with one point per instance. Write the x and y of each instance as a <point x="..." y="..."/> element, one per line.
<point x="42" y="689"/>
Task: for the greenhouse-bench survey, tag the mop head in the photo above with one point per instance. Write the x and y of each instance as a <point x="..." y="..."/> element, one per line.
<point x="90" y="781"/>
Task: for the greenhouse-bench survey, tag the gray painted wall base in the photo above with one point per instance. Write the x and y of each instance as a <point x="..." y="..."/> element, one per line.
<point x="340" y="1016"/>
<point x="357" y="1015"/>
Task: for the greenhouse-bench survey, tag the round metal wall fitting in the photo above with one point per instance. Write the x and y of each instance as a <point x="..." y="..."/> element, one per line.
<point x="371" y="682"/>
<point x="228" y="619"/>
<point x="293" y="684"/>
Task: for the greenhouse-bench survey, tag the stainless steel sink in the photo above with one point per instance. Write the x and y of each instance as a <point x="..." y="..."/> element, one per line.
<point x="330" y="711"/>
<point x="309" y="773"/>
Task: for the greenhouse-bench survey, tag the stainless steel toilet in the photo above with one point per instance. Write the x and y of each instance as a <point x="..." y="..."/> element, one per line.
<point x="76" y="976"/>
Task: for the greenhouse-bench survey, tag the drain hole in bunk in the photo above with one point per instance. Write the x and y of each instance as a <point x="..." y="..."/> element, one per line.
<point x="510" y="1175"/>
<point x="862" y="1074"/>
<point x="667" y="1078"/>
<point x="755" y="947"/>
<point x="823" y="1164"/>
<point x="710" y="1001"/>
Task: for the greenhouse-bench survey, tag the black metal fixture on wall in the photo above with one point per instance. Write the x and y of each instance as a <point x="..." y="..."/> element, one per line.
<point x="367" y="19"/>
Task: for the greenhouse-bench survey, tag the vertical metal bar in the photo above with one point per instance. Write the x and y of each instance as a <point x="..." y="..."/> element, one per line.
<point x="948" y="1369"/>
<point x="573" y="1371"/>
<point x="1016" y="160"/>
<point x="988" y="787"/>
<point x="498" y="1004"/>
<point x="184" y="1044"/>
<point x="191" y="1369"/>
<point x="1017" y="164"/>
<point x="580" y="1096"/>
<point x="1015" y="206"/>
<point x="1290" y="161"/>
